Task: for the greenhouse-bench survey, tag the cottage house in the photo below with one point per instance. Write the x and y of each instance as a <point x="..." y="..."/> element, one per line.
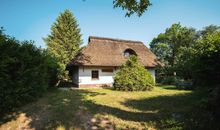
<point x="97" y="63"/>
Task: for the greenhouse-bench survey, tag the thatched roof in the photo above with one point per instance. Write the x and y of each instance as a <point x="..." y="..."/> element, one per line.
<point x="110" y="52"/>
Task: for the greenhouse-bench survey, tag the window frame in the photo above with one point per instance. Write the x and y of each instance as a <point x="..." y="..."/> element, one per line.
<point x="97" y="75"/>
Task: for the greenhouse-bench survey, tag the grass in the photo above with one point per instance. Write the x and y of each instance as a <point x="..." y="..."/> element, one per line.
<point x="162" y="108"/>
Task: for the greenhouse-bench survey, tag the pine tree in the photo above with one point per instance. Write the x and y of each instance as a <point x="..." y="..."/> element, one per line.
<point x="64" y="41"/>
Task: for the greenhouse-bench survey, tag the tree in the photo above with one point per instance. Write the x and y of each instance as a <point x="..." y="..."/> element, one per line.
<point x="64" y="41"/>
<point x="133" y="77"/>
<point x="206" y="66"/>
<point x="209" y="30"/>
<point x="179" y="48"/>
<point x="168" y="46"/>
<point x="188" y="58"/>
<point x="133" y="6"/>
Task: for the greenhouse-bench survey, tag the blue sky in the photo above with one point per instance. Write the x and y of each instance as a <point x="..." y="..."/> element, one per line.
<point x="32" y="19"/>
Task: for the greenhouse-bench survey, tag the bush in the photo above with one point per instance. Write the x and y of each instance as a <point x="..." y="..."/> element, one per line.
<point x="169" y="80"/>
<point x="133" y="77"/>
<point x="25" y="72"/>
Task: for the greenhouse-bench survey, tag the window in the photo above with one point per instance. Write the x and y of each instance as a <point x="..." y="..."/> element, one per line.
<point x="95" y="74"/>
<point x="129" y="52"/>
<point x="107" y="70"/>
<point x="126" y="54"/>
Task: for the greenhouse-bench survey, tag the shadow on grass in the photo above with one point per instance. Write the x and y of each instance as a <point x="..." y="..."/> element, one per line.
<point x="167" y="112"/>
<point x="177" y="87"/>
<point x="58" y="109"/>
<point x="71" y="110"/>
<point x="170" y="87"/>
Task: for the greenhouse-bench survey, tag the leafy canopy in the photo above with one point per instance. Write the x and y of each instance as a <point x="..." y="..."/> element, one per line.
<point x="205" y="60"/>
<point x="132" y="76"/>
<point x="190" y="53"/>
<point x="133" y="6"/>
<point x="168" y="47"/>
<point x="64" y="41"/>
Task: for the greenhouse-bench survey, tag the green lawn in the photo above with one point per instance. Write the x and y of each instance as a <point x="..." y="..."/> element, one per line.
<point x="163" y="108"/>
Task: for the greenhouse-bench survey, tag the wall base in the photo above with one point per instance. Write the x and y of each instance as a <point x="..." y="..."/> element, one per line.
<point x="95" y="85"/>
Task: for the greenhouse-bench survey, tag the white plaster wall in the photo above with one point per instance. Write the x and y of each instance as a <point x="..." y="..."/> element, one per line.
<point x="86" y="78"/>
<point x="152" y="71"/>
<point x="104" y="77"/>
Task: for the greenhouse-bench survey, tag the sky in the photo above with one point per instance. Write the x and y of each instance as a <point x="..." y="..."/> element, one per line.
<point x="32" y="19"/>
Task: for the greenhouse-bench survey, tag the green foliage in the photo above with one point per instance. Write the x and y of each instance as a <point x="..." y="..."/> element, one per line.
<point x="52" y="68"/>
<point x="169" y="80"/>
<point x="169" y="48"/>
<point x="188" y="54"/>
<point x="64" y="41"/>
<point x="202" y="59"/>
<point x="184" y="64"/>
<point x="209" y="30"/>
<point x="25" y="72"/>
<point x="198" y="61"/>
<point x="214" y="102"/>
<point x="133" y="6"/>
<point x="167" y="45"/>
<point x="133" y="77"/>
<point x="205" y="61"/>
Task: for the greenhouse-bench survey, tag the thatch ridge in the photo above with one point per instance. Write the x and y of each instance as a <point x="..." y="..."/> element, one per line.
<point x="102" y="51"/>
<point x="112" y="39"/>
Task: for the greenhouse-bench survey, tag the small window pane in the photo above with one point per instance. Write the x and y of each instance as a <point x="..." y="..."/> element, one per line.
<point x="95" y="74"/>
<point x="126" y="54"/>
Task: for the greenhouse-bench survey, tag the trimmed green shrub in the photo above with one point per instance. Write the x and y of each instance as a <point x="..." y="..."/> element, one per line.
<point x="132" y="76"/>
